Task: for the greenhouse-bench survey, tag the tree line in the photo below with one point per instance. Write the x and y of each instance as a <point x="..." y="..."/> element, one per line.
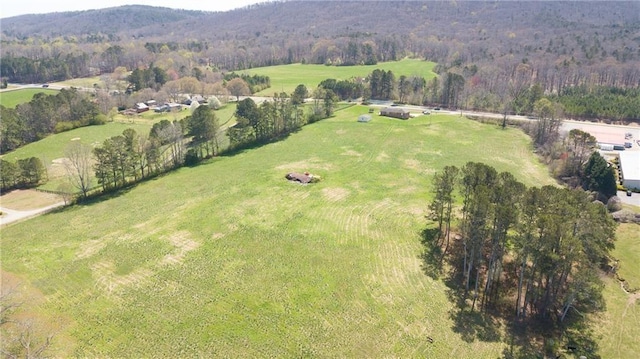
<point x="530" y="254"/>
<point x="275" y="119"/>
<point x="24" y="173"/>
<point x="44" y="115"/>
<point x="600" y="102"/>
<point x="59" y="67"/>
<point x="255" y="82"/>
<point x="132" y="157"/>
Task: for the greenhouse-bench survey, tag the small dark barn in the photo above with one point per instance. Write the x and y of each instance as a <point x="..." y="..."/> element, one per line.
<point x="298" y="177"/>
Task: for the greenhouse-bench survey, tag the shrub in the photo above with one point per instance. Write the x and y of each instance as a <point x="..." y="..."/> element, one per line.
<point x="63" y="126"/>
<point x="614" y="204"/>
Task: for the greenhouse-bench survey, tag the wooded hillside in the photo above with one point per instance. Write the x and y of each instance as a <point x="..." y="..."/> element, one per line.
<point x="490" y="44"/>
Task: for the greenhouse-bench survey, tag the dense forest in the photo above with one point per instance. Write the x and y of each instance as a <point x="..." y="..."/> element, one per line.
<point x="562" y="44"/>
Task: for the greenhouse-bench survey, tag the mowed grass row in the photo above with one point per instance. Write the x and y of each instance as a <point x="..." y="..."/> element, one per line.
<point x="13" y="98"/>
<point x="230" y="259"/>
<point x="285" y="78"/>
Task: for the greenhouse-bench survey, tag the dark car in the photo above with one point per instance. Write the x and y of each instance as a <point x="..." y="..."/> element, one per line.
<point x="45" y="85"/>
<point x="628" y="193"/>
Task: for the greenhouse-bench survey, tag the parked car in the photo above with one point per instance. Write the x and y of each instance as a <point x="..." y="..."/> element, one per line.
<point x="426" y="112"/>
<point x="628" y="193"/>
<point x="45" y="85"/>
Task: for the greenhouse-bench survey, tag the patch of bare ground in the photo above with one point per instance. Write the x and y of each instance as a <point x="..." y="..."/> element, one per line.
<point x="108" y="280"/>
<point x="17" y="290"/>
<point x="25" y="200"/>
<point x="351" y="153"/>
<point x="633" y="297"/>
<point x="414" y="210"/>
<point x="412" y="164"/>
<point x="57" y="168"/>
<point x="408" y="190"/>
<point x="183" y="243"/>
<point x="23" y="321"/>
<point x="89" y="248"/>
<point x="335" y="194"/>
<point x="382" y="157"/>
<point x="341" y="131"/>
<point x="310" y="164"/>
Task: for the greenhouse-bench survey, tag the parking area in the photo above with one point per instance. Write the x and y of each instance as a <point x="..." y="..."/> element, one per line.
<point x="612" y="134"/>
<point x="634" y="199"/>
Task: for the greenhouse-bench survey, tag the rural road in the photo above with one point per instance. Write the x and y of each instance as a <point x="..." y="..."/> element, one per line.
<point x="12" y="215"/>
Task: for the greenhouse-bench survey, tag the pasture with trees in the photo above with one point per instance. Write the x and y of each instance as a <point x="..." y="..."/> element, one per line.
<point x="347" y="257"/>
<point x="44" y="115"/>
<point x="229" y="258"/>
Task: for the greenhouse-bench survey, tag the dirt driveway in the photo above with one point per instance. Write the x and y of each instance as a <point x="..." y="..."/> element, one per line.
<point x="22" y="204"/>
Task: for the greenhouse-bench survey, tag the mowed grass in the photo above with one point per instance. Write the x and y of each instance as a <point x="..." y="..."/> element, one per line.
<point x="52" y="147"/>
<point x="618" y="328"/>
<point x="285" y="78"/>
<point x="627" y="251"/>
<point x="230" y="259"/>
<point x="86" y="82"/>
<point x="13" y="98"/>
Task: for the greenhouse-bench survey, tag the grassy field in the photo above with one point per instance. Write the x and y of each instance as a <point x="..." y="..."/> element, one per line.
<point x="11" y="99"/>
<point x="287" y="77"/>
<point x="86" y="82"/>
<point x="619" y="327"/>
<point x="628" y="252"/>
<point x="230" y="259"/>
<point x="51" y="149"/>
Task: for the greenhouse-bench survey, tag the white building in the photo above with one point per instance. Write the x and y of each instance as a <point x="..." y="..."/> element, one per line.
<point x="630" y="168"/>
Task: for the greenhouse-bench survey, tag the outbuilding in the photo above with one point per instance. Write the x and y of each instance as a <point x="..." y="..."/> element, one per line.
<point x="141" y="107"/>
<point x="397" y="112"/>
<point x="364" y="118"/>
<point x="630" y="169"/>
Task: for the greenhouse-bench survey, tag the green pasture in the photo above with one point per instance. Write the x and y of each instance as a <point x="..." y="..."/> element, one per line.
<point x="52" y="147"/>
<point x="85" y="82"/>
<point x="228" y="259"/>
<point x="285" y="78"/>
<point x="628" y="252"/>
<point x="619" y="327"/>
<point x="13" y="98"/>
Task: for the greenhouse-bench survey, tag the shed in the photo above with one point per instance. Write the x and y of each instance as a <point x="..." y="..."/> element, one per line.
<point x="630" y="169"/>
<point x="174" y="106"/>
<point x="397" y="112"/>
<point x="299" y="177"/>
<point x="141" y="107"/>
<point x="364" y="118"/>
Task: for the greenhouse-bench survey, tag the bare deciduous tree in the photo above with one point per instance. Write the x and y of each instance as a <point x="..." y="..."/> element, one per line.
<point x="21" y="338"/>
<point x="78" y="165"/>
